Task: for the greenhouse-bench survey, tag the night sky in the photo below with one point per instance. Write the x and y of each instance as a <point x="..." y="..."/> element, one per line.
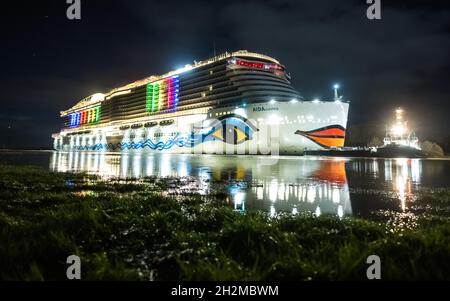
<point x="48" y="62"/>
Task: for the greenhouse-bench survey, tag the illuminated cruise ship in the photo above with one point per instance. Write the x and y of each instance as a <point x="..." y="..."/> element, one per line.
<point x="234" y="103"/>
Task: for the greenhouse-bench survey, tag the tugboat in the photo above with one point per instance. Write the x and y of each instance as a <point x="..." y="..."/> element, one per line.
<point x="400" y="140"/>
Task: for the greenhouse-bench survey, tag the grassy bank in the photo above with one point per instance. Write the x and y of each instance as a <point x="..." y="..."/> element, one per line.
<point x="129" y="231"/>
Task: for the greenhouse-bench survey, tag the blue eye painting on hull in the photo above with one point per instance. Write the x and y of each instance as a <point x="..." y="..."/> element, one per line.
<point x="231" y="128"/>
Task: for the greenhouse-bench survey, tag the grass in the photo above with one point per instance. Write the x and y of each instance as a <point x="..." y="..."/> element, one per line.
<point x="123" y="230"/>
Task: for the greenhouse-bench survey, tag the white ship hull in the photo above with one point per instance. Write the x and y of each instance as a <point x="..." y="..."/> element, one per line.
<point x="258" y="128"/>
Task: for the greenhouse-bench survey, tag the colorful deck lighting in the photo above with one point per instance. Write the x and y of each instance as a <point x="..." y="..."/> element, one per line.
<point x="162" y="95"/>
<point x="89" y="116"/>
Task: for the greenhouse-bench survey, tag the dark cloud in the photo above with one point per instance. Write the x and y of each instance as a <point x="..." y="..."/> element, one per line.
<point x="50" y="62"/>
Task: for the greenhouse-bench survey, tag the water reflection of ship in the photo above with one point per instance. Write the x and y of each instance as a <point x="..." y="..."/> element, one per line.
<point x="288" y="185"/>
<point x="318" y="186"/>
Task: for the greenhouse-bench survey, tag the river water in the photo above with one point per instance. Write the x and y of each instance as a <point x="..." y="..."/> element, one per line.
<point x="341" y="186"/>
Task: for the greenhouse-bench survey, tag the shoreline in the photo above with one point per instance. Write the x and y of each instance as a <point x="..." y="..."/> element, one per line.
<point x="224" y="155"/>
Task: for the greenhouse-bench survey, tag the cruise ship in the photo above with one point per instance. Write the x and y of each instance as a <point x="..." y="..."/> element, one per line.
<point x="235" y="103"/>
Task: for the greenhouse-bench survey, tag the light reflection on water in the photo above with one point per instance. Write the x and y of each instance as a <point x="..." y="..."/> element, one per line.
<point x="394" y="180"/>
<point x="340" y="186"/>
<point x="319" y="185"/>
